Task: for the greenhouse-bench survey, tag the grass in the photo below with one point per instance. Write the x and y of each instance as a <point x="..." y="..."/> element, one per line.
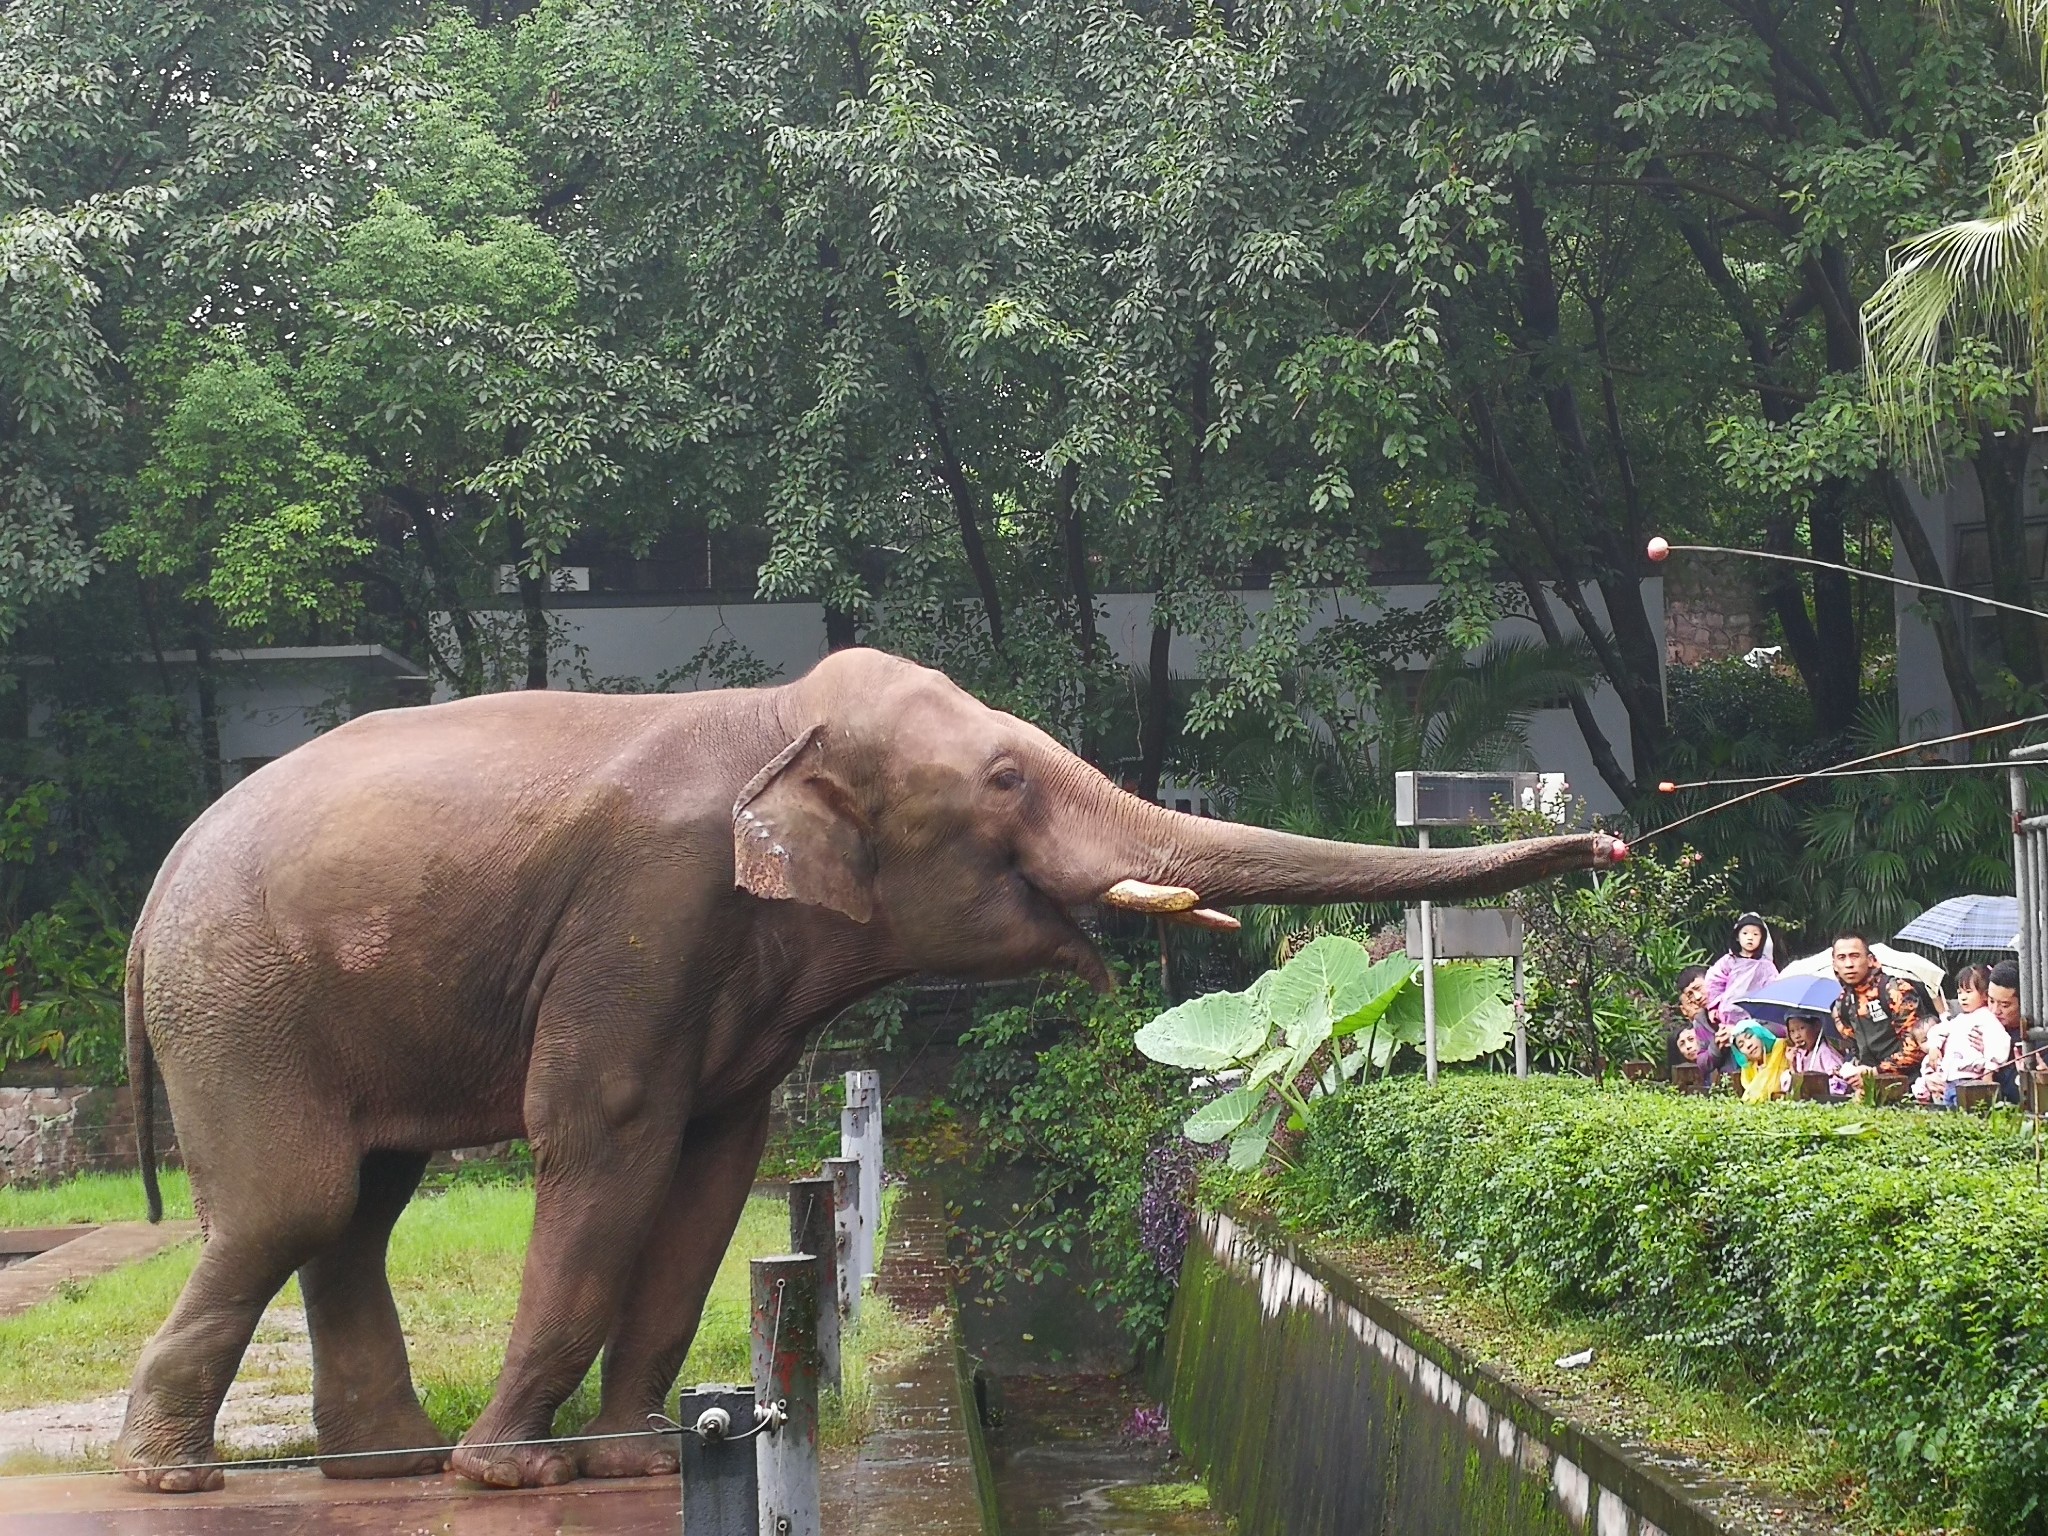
<point x="455" y="1266"/>
<point x="94" y="1198"/>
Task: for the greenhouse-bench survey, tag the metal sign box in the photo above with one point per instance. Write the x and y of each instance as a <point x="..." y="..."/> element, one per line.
<point x="1467" y="933"/>
<point x="1463" y="799"/>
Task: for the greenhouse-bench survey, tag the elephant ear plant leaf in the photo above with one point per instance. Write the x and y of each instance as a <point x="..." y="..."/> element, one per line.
<point x="1281" y="1041"/>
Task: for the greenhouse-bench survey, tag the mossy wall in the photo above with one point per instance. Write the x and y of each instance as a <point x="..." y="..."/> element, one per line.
<point x="1315" y="1409"/>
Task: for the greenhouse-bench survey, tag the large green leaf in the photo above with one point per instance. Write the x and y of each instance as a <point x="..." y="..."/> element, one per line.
<point x="1248" y="1146"/>
<point x="1474" y="1016"/>
<point x="1383" y="983"/>
<point x="1326" y="980"/>
<point x="1218" y="1030"/>
<point x="1219" y="1117"/>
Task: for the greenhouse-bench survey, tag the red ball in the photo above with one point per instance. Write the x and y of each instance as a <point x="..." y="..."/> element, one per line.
<point x="1619" y="851"/>
<point x="1666" y="787"/>
<point x="1659" y="547"/>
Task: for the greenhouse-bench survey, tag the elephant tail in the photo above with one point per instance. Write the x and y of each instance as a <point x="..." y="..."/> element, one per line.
<point x="142" y="1074"/>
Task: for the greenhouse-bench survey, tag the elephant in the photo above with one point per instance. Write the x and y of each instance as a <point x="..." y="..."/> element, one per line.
<point x="605" y="923"/>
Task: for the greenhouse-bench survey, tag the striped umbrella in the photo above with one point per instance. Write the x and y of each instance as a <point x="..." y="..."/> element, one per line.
<point x="1966" y="922"/>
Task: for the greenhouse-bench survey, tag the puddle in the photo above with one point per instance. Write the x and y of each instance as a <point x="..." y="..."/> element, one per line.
<point x="1066" y="1464"/>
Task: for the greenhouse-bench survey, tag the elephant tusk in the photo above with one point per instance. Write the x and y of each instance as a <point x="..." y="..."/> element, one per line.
<point x="1206" y="917"/>
<point x="1144" y="896"/>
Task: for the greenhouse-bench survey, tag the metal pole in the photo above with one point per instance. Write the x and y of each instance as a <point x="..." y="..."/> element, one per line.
<point x="813" y="1230"/>
<point x="785" y="1325"/>
<point x="860" y="1135"/>
<point x="721" y="1491"/>
<point x="1428" y="976"/>
<point x="844" y="1173"/>
<point x="1521" y="1024"/>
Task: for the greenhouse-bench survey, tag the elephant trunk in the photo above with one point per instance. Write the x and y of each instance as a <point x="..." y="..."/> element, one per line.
<point x="1136" y="854"/>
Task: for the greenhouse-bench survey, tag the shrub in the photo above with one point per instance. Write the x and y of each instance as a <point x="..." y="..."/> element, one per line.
<point x="1873" y="1275"/>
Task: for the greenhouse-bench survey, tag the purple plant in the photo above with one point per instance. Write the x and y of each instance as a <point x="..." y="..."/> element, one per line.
<point x="1166" y="1208"/>
<point x="1147" y="1425"/>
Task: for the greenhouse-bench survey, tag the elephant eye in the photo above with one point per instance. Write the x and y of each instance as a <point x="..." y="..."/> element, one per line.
<point x="1006" y="779"/>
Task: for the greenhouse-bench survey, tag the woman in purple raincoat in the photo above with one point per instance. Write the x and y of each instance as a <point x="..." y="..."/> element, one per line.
<point x="1750" y="964"/>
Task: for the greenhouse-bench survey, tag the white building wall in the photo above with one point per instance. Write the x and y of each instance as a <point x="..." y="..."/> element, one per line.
<point x="643" y="642"/>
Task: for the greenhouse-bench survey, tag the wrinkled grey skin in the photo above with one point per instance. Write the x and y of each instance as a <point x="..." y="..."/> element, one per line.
<point x="545" y="915"/>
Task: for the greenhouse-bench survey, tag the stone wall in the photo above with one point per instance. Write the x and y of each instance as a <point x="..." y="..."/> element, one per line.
<point x="1713" y="609"/>
<point x="51" y="1132"/>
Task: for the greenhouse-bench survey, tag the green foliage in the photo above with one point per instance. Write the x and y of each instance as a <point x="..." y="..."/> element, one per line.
<point x="1870" y="1276"/>
<point x="1053" y="1085"/>
<point x="1284" y="1038"/>
<point x="1604" y="949"/>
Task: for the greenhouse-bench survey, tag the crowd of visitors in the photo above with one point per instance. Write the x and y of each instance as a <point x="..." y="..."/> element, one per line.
<point x="1892" y="1027"/>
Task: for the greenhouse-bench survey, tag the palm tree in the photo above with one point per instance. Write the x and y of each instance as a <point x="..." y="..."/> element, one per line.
<point x="1984" y="277"/>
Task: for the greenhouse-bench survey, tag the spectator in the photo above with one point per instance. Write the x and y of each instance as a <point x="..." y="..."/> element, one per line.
<point x="1876" y="1016"/>
<point x="1762" y="1058"/>
<point x="1969" y="1048"/>
<point x="1691" y="1036"/>
<point x="1751" y="963"/>
<point x="2002" y="995"/>
<point x="1808" y="1050"/>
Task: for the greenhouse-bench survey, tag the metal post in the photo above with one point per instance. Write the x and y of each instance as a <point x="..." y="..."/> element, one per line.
<point x="721" y="1491"/>
<point x="844" y="1172"/>
<point x="785" y="1317"/>
<point x="1521" y="1023"/>
<point x="860" y="1135"/>
<point x="813" y="1230"/>
<point x="1428" y="976"/>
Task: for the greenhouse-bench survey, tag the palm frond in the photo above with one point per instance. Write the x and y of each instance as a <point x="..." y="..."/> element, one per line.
<point x="1984" y="277"/>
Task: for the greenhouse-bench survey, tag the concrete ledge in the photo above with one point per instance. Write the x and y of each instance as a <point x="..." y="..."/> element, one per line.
<point x="103" y="1248"/>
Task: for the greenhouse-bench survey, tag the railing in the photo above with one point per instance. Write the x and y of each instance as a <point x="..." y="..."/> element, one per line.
<point x="749" y="1458"/>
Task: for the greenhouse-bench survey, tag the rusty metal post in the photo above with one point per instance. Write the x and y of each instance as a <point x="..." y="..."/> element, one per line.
<point x="860" y="1135"/>
<point x="813" y="1230"/>
<point x="721" y="1494"/>
<point x="844" y="1172"/>
<point x="785" y="1329"/>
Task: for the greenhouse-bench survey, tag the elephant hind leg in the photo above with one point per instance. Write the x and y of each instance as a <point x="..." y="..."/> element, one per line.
<point x="265" y="1222"/>
<point x="363" y="1399"/>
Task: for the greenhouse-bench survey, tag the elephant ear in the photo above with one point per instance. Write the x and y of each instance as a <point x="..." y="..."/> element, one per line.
<point x="798" y="836"/>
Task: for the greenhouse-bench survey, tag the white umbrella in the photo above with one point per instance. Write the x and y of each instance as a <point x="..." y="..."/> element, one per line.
<point x="1898" y="961"/>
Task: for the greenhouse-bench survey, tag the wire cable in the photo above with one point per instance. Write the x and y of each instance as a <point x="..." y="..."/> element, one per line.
<point x="1837" y="769"/>
<point x="1657" y="545"/>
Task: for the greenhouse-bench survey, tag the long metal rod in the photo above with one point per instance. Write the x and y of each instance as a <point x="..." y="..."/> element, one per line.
<point x="1428" y="977"/>
<point x="1836" y="768"/>
<point x="1831" y="565"/>
<point x="1669" y="788"/>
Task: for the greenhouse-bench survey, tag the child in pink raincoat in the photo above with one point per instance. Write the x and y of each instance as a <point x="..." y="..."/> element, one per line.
<point x="1750" y="964"/>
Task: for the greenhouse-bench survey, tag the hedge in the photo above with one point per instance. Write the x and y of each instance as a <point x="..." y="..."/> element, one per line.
<point x="1881" y="1275"/>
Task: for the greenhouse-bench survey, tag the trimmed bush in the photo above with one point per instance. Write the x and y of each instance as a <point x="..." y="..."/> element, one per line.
<point x="1880" y="1275"/>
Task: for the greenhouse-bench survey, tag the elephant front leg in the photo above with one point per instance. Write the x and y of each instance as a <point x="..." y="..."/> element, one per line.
<point x="658" y="1317"/>
<point x="601" y="1173"/>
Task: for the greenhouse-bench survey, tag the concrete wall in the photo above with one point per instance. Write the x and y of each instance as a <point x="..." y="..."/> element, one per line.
<point x="1315" y="1409"/>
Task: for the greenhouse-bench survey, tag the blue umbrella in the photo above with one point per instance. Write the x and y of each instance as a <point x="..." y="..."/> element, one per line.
<point x="1791" y="994"/>
<point x="1966" y="922"/>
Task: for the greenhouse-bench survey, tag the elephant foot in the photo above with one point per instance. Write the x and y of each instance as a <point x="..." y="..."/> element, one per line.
<point x="524" y="1466"/>
<point x="637" y="1456"/>
<point x="165" y="1470"/>
<point x="388" y="1446"/>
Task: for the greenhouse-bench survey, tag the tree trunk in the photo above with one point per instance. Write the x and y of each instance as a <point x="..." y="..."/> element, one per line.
<point x="840" y="632"/>
<point x="1941" y="612"/>
<point x="209" y="713"/>
<point x="533" y="605"/>
<point x="2002" y="477"/>
<point x="953" y="475"/>
<point x="469" y="678"/>
<point x="1158" y="707"/>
